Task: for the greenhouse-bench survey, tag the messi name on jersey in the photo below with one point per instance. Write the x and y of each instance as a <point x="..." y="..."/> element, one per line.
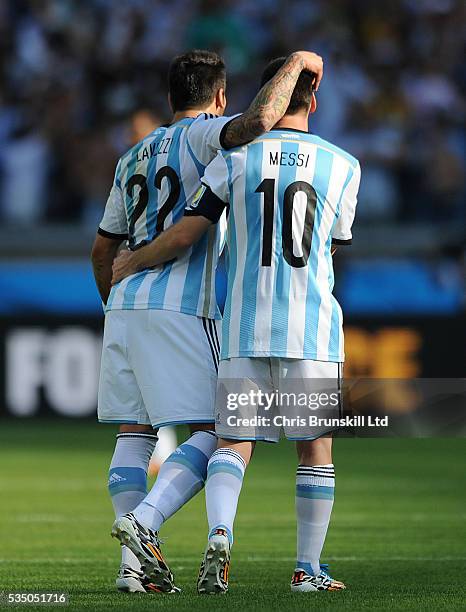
<point x="289" y="159"/>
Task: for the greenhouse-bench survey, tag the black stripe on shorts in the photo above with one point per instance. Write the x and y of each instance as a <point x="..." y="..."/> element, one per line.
<point x="211" y="343"/>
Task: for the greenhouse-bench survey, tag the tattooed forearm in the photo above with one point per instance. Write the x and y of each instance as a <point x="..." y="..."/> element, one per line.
<point x="271" y="102"/>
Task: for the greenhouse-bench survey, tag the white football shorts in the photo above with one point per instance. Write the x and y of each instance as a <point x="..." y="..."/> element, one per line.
<point x="258" y="398"/>
<point x="158" y="368"/>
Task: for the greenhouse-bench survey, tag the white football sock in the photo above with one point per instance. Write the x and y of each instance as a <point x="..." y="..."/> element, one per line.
<point x="127" y="478"/>
<point x="225" y="475"/>
<point x="315" y="488"/>
<point x="181" y="476"/>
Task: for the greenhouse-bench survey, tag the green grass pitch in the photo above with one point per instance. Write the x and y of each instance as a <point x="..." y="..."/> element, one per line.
<point x="397" y="537"/>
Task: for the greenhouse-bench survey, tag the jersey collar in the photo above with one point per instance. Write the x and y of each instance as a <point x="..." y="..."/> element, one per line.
<point x="287" y="129"/>
<point x="169" y="125"/>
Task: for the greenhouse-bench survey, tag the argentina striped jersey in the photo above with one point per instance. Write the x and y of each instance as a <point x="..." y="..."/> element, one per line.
<point x="291" y="194"/>
<point x="153" y="183"/>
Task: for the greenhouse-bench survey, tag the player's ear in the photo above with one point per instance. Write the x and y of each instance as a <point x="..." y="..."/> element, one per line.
<point x="220" y="101"/>
<point x="313" y="106"/>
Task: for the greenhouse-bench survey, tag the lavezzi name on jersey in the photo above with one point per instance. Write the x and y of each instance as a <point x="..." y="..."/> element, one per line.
<point x="153" y="149"/>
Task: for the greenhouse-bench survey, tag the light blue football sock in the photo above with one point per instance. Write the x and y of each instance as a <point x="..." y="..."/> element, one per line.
<point x="315" y="488"/>
<point x="225" y="475"/>
<point x="127" y="477"/>
<point x="181" y="476"/>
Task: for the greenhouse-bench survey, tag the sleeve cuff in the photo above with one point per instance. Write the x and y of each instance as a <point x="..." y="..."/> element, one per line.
<point x="110" y="235"/>
<point x="209" y="206"/>
<point x="339" y="242"/>
<point x="223" y="134"/>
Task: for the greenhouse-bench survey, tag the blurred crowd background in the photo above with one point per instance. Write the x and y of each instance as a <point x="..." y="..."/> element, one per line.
<point x="80" y="80"/>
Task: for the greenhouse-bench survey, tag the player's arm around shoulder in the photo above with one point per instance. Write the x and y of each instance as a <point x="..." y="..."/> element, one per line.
<point x="208" y="134"/>
<point x="205" y="210"/>
<point x="272" y="101"/>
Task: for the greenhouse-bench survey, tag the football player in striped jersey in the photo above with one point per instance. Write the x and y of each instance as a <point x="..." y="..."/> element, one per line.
<point x="291" y="198"/>
<point x="162" y="336"/>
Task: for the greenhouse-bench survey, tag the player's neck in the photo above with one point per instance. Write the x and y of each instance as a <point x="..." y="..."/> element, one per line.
<point x="192" y="112"/>
<point x="295" y="122"/>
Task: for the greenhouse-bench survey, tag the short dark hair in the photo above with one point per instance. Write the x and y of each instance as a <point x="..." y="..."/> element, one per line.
<point x="194" y="78"/>
<point x="302" y="94"/>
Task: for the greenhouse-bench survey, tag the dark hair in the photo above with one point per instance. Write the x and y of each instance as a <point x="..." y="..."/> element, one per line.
<point x="302" y="94"/>
<point x="194" y="78"/>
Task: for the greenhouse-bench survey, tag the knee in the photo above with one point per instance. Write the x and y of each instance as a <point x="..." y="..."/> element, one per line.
<point x="315" y="452"/>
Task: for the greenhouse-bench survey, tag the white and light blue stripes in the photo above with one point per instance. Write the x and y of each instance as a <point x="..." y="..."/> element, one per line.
<point x="186" y="284"/>
<point x="191" y="457"/>
<point x="226" y="461"/>
<point x="225" y="473"/>
<point x="124" y="479"/>
<point x="279" y="309"/>
<point x="315" y="482"/>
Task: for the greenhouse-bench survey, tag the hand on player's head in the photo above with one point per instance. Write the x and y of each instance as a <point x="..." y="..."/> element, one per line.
<point x="315" y="64"/>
